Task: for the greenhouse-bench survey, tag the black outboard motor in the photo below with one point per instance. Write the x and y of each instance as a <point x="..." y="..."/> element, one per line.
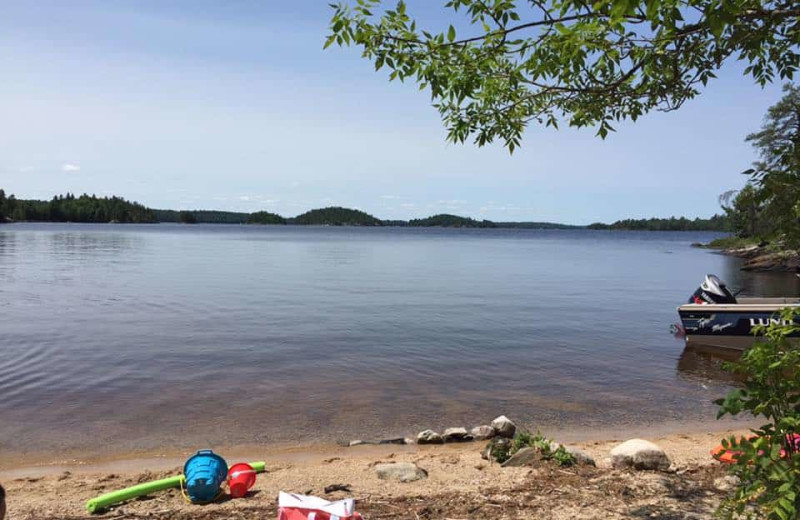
<point x="712" y="290"/>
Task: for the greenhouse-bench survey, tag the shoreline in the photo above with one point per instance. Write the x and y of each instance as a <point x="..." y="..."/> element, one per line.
<point x="759" y="257"/>
<point x="457" y="477"/>
<point x="46" y="463"/>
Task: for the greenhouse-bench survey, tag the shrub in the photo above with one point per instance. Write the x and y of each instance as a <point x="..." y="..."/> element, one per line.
<point x="768" y="463"/>
<point x="544" y="446"/>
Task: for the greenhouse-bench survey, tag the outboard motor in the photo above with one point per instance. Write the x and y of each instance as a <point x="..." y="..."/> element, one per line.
<point x="712" y="290"/>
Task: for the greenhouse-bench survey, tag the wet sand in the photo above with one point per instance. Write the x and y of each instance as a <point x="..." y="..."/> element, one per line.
<point x="123" y="459"/>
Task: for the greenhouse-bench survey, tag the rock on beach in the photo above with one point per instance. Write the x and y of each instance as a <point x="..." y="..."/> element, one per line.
<point x="456" y="435"/>
<point x="523" y="457"/>
<point x="639" y="454"/>
<point x="429" y="437"/>
<point x="482" y="433"/>
<point x="400" y="472"/>
<point x="504" y="427"/>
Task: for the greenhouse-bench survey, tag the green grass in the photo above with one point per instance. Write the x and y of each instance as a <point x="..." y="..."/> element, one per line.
<point x="733" y="242"/>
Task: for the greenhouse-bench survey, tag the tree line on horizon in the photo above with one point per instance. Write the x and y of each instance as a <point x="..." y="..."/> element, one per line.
<point x="69" y="208"/>
<point x="93" y="209"/>
<point x="715" y="223"/>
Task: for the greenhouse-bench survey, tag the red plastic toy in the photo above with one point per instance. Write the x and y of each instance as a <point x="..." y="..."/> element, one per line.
<point x="241" y="478"/>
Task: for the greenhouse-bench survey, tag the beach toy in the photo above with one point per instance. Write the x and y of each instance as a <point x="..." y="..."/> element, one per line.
<point x="305" y="507"/>
<point x="103" y="502"/>
<point x="205" y="472"/>
<point x="725" y="456"/>
<point x="241" y="478"/>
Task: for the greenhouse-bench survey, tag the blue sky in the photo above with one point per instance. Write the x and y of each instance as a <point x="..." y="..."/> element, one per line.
<point x="233" y="105"/>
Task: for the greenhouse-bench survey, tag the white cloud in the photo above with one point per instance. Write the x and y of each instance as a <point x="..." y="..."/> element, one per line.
<point x="390" y="197"/>
<point x="70" y="168"/>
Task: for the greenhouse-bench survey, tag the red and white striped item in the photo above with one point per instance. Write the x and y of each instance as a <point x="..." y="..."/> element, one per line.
<point x="304" y="507"/>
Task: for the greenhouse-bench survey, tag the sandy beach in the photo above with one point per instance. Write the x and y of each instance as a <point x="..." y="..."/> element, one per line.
<point x="460" y="483"/>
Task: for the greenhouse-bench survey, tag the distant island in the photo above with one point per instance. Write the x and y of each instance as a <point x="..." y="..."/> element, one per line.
<point x="90" y="208"/>
<point x="445" y="220"/>
<point x="69" y="208"/>
<point x="335" y="216"/>
<point x="265" y="217"/>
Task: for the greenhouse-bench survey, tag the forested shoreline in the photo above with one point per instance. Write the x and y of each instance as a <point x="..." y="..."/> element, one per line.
<point x="69" y="208"/>
<point x="715" y="223"/>
<point x="93" y="209"/>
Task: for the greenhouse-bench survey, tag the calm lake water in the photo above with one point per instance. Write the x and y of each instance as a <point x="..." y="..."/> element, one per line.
<point x="128" y="337"/>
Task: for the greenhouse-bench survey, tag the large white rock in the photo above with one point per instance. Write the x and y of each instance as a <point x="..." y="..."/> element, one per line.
<point x="504" y="427"/>
<point x="639" y="454"/>
<point x="429" y="437"/>
<point x="400" y="472"/>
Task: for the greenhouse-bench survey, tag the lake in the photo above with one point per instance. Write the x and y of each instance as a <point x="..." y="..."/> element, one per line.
<point x="124" y="337"/>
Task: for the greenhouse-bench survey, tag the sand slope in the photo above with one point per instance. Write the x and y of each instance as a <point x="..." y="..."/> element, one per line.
<point x="460" y="485"/>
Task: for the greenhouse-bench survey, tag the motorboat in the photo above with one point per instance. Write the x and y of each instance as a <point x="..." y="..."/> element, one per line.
<point x="715" y="317"/>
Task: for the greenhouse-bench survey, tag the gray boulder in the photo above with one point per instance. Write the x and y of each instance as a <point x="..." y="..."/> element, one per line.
<point x="523" y="457"/>
<point x="482" y="433"/>
<point x="639" y="454"/>
<point x="504" y="427"/>
<point x="400" y="472"/>
<point x="456" y="435"/>
<point x="429" y="437"/>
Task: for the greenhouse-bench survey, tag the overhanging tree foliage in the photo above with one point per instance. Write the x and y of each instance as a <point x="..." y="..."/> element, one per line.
<point x="586" y="63"/>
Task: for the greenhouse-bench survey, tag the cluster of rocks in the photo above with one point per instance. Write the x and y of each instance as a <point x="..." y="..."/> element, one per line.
<point x="527" y="455"/>
<point x="501" y="427"/>
<point x="762" y="257"/>
<point x="634" y="454"/>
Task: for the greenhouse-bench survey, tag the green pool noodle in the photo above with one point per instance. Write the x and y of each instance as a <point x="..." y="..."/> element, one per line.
<point x="97" y="504"/>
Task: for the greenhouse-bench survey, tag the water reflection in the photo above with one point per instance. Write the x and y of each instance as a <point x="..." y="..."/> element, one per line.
<point x="767" y="284"/>
<point x="91" y="244"/>
<point x="8" y="244"/>
<point x="701" y="363"/>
